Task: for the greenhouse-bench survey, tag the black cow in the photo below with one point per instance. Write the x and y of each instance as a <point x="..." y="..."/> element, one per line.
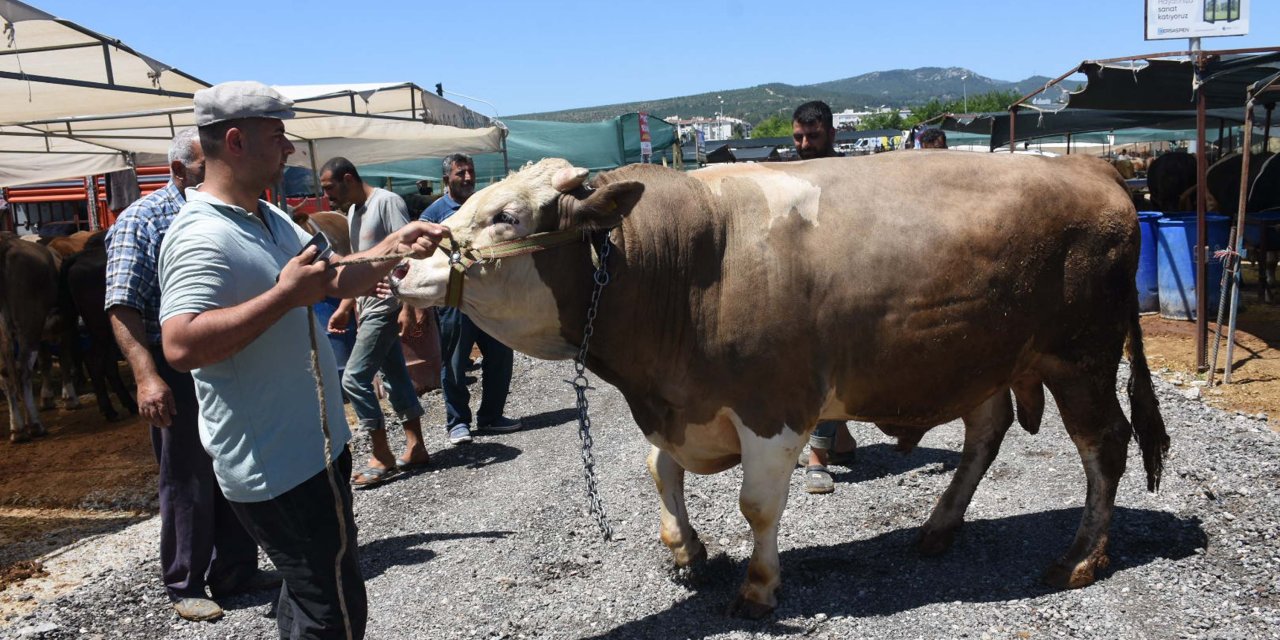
<point x="82" y="289"/>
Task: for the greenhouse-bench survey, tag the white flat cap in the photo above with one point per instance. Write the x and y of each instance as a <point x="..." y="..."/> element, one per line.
<point x="240" y="99"/>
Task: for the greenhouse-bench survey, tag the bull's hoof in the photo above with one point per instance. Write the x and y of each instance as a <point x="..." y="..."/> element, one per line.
<point x="936" y="542"/>
<point x="19" y="438"/>
<point x="37" y="430"/>
<point x="691" y="560"/>
<point x="744" y="608"/>
<point x="111" y="416"/>
<point x="1062" y="575"/>
<point x="46" y="404"/>
<point x="71" y="404"/>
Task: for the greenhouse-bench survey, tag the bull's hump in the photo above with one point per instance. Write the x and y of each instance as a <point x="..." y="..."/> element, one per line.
<point x="784" y="194"/>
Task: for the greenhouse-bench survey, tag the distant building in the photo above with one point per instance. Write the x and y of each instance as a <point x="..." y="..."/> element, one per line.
<point x="720" y="128"/>
<point x="850" y="119"/>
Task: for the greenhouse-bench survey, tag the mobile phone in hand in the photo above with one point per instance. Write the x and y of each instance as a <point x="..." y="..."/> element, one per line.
<point x="322" y="244"/>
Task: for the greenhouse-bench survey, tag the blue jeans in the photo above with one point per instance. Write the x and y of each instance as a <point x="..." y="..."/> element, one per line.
<point x="824" y="436"/>
<point x="457" y="334"/>
<point x="378" y="347"/>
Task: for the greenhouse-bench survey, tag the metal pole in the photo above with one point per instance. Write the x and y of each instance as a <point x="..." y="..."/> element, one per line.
<point x="1013" y="124"/>
<point x="315" y="173"/>
<point x="1238" y="245"/>
<point x="1223" y="288"/>
<point x="1266" y="130"/>
<point x="506" y="161"/>
<point x="1202" y="320"/>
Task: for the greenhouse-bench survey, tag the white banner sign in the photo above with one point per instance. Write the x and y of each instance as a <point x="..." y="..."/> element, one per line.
<point x="1173" y="19"/>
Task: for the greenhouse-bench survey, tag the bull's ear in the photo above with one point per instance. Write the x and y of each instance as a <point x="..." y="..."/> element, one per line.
<point x="605" y="207"/>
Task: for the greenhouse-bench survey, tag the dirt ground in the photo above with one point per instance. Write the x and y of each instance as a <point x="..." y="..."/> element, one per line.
<point x="1255" y="375"/>
<point x="89" y="477"/>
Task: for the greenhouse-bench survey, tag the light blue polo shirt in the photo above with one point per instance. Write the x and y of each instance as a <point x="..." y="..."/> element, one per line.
<point x="259" y="413"/>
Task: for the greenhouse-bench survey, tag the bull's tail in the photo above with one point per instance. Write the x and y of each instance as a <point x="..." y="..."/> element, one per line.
<point x="1148" y="425"/>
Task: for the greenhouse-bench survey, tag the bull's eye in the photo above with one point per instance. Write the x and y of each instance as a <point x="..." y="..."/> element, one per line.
<point x="505" y="218"/>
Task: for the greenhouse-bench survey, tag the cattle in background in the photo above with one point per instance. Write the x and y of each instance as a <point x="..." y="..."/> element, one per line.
<point x="1223" y="178"/>
<point x="72" y="244"/>
<point x="748" y="302"/>
<point x="82" y="289"/>
<point x="58" y="332"/>
<point x="28" y="291"/>
<point x="1168" y="178"/>
<point x="332" y="224"/>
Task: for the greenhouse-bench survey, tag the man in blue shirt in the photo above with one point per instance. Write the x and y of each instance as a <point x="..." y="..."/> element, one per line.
<point x="201" y="541"/>
<point x="458" y="333"/>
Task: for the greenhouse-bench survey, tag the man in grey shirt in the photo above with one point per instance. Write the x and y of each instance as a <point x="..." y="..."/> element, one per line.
<point x="373" y="214"/>
<point x="236" y="278"/>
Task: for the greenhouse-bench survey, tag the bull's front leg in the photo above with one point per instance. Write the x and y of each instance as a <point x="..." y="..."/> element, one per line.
<point x="767" y="465"/>
<point x="676" y="531"/>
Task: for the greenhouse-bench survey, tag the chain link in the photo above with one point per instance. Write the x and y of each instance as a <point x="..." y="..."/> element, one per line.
<point x="580" y="386"/>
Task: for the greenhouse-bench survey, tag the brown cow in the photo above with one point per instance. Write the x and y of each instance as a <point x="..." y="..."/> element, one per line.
<point x="28" y="292"/>
<point x="748" y="302"/>
<point x="72" y="244"/>
<point x="332" y="224"/>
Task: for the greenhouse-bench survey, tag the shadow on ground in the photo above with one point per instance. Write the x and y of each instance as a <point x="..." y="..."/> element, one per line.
<point x="883" y="460"/>
<point x="993" y="560"/>
<point x="379" y="555"/>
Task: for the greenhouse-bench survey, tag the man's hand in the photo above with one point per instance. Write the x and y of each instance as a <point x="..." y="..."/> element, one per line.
<point x="155" y="401"/>
<point x="303" y="281"/>
<point x="339" y="320"/>
<point x="420" y="238"/>
<point x="410" y="324"/>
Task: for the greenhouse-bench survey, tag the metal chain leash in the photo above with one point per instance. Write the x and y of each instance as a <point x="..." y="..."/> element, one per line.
<point x="580" y="387"/>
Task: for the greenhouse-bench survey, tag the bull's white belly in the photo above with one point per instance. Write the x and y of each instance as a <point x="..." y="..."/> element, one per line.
<point x="714" y="446"/>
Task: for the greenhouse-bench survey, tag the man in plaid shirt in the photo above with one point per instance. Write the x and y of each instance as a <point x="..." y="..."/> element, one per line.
<point x="202" y="543"/>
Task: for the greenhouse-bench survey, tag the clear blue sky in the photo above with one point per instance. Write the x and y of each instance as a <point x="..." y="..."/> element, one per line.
<point x="539" y="55"/>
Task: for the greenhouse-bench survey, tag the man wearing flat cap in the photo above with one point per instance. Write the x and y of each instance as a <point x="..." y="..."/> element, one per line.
<point x="235" y="285"/>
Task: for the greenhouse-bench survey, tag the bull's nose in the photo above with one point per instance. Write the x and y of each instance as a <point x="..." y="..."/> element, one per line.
<point x="400" y="272"/>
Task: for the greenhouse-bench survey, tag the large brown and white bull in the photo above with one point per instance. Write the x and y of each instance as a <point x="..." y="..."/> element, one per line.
<point x="749" y="302"/>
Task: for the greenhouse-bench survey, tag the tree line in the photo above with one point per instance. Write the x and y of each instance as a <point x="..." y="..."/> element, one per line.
<point x="777" y="126"/>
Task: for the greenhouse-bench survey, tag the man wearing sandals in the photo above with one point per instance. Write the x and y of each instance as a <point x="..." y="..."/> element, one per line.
<point x="813" y="130"/>
<point x="236" y="279"/>
<point x="372" y="215"/>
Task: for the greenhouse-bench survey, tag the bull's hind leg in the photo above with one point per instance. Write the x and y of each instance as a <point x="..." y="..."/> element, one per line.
<point x="676" y="532"/>
<point x="1092" y="415"/>
<point x="984" y="430"/>
<point x="767" y="465"/>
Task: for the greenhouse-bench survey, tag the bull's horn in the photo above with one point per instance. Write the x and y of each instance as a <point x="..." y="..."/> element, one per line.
<point x="568" y="179"/>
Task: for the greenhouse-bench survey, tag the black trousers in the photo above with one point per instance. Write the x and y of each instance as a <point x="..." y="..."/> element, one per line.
<point x="299" y="531"/>
<point x="201" y="540"/>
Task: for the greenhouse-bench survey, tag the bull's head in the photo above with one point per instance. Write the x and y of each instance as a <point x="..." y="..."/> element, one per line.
<point x="508" y="298"/>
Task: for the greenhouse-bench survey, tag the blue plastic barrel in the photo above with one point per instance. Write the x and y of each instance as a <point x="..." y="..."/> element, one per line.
<point x="342" y="343"/>
<point x="1148" y="280"/>
<point x="1175" y="261"/>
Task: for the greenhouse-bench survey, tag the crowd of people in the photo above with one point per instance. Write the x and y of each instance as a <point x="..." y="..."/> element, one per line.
<point x="208" y="293"/>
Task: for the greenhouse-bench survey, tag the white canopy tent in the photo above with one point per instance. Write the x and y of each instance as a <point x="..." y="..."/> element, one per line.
<point x="362" y="124"/>
<point x="52" y="68"/>
<point x="74" y="103"/>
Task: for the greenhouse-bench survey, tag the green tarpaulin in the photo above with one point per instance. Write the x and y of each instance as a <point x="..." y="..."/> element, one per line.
<point x="596" y="146"/>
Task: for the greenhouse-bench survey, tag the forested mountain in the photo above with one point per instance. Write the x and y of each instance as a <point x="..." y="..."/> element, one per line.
<point x="896" y="88"/>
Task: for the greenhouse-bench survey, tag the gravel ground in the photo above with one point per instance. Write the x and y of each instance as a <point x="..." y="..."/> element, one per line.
<point x="494" y="541"/>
